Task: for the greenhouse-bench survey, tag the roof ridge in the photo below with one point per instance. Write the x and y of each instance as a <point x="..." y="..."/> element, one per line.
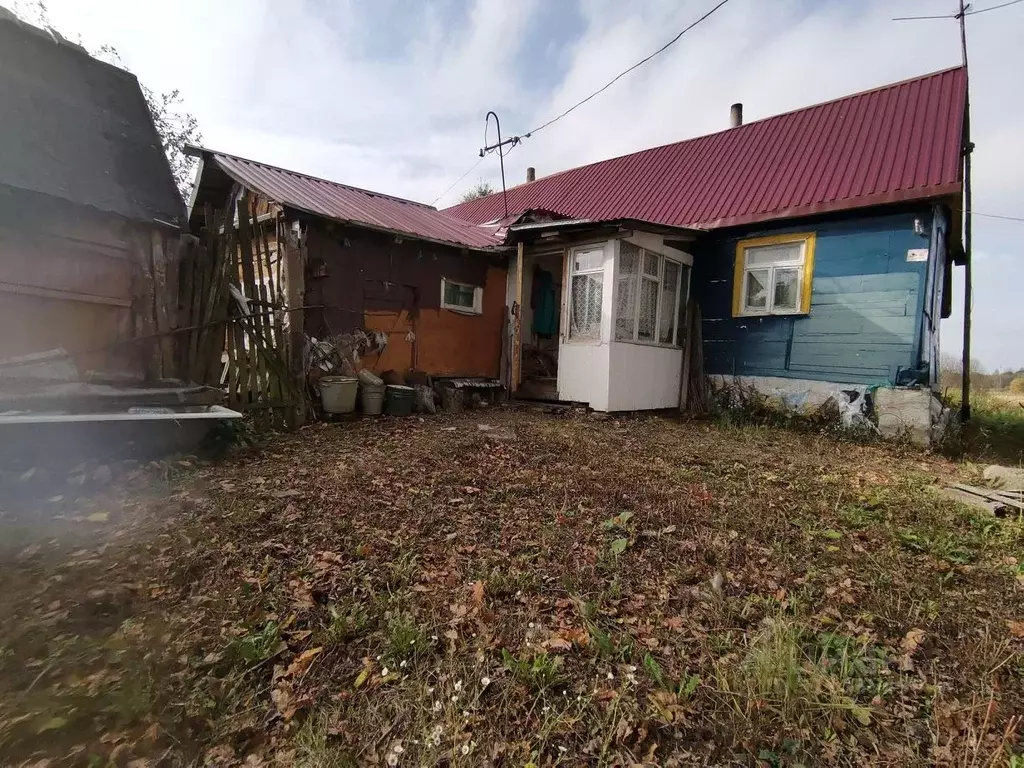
<point x="657" y="147"/>
<point x="194" y="148"/>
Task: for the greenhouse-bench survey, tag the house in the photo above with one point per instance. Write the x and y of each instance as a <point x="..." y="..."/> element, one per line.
<point x="429" y="284"/>
<point x="818" y="245"/>
<point x="89" y="212"/>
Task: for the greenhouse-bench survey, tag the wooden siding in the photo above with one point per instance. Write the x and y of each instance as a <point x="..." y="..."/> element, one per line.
<point x="358" y="278"/>
<point x="867" y="301"/>
<point x="86" y="282"/>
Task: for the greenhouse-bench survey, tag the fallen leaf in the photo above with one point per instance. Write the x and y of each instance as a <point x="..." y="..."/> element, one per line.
<point x="558" y="644"/>
<point x="908" y="645"/>
<point x="302" y="662"/>
<point x="912" y="640"/>
<point x="98" y="517"/>
<point x="53" y="724"/>
<point x="478" y="592"/>
<point x="1016" y="628"/>
<point x="361" y="678"/>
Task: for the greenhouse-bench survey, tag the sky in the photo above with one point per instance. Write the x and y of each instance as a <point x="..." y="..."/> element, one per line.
<point x="391" y="95"/>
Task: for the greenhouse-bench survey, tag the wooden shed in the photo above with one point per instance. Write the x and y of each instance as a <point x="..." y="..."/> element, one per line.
<point x="90" y="216"/>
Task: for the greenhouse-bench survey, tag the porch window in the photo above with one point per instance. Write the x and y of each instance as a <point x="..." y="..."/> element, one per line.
<point x="773" y="275"/>
<point x="586" y="291"/>
<point x="461" y="297"/>
<point x="649" y="287"/>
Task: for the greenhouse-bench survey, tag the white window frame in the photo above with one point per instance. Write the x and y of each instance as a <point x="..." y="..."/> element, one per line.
<point x="677" y="336"/>
<point x="803" y="264"/>
<point x="478" y="298"/>
<point x="599" y="270"/>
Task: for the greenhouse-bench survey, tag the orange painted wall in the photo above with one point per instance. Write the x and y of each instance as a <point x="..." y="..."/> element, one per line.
<point x="450" y="343"/>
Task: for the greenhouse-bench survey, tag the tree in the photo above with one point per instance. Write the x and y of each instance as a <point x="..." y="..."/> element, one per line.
<point x="482" y="189"/>
<point x="175" y="126"/>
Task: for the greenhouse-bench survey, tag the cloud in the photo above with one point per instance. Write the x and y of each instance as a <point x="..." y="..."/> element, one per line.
<point x="392" y="95"/>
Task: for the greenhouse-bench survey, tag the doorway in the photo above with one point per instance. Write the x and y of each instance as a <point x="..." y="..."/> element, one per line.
<point x="541" y="321"/>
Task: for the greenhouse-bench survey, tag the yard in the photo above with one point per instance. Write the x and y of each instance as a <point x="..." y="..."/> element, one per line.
<point x="518" y="588"/>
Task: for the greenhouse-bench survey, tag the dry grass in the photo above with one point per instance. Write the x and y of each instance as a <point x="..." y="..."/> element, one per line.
<point x="555" y="591"/>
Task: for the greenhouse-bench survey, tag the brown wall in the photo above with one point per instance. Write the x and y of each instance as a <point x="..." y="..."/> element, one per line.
<point x="367" y="280"/>
<point x="71" y="278"/>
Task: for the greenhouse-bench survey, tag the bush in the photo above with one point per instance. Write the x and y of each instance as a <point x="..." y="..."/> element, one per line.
<point x="1017" y="385"/>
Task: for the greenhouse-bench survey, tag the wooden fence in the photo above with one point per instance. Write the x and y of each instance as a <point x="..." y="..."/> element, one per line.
<point x="234" y="305"/>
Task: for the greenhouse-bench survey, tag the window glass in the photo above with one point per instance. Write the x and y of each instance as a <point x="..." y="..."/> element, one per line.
<point x="625" y="307"/>
<point x="458" y="295"/>
<point x="647" y="319"/>
<point x="585" y="309"/>
<point x="651" y="263"/>
<point x="669" y="289"/>
<point x="772" y="254"/>
<point x="756" y="290"/>
<point x="787" y="281"/>
<point x="587" y="260"/>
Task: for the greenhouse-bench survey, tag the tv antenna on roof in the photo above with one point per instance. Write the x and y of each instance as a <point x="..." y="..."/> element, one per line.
<point x="500" y="148"/>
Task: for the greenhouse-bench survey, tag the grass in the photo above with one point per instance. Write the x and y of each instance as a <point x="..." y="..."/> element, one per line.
<point x="628" y="591"/>
<point x="996" y="430"/>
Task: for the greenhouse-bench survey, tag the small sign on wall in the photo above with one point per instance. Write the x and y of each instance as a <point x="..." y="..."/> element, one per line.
<point x="917" y="254"/>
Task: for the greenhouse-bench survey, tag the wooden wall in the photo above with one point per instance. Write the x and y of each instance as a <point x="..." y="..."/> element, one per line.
<point x="357" y="278"/>
<point x="867" y="302"/>
<point x="75" y="279"/>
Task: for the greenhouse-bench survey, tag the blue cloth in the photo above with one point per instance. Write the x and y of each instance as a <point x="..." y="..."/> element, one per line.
<point x="545" y="314"/>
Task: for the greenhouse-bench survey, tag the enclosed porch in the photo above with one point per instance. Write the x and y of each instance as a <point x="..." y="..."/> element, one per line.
<point x="598" y="313"/>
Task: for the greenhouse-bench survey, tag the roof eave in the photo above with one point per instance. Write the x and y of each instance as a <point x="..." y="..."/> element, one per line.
<point x="921" y="194"/>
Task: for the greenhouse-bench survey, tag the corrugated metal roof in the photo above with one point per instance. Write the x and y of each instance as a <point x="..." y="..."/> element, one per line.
<point x="353" y="205"/>
<point x="895" y="143"/>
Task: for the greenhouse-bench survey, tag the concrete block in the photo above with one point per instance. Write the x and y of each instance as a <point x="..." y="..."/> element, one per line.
<point x="906" y="413"/>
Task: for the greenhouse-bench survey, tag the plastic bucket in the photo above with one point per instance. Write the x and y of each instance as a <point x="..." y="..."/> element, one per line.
<point x="371" y="397"/>
<point x="338" y="393"/>
<point x="398" y="400"/>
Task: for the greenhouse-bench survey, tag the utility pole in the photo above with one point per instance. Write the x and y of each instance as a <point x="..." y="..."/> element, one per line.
<point x="968" y="147"/>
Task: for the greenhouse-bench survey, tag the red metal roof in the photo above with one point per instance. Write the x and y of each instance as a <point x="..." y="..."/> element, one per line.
<point x="353" y="205"/>
<point x="895" y="143"/>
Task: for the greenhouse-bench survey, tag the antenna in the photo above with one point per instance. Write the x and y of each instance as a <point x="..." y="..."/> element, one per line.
<point x="499" y="147"/>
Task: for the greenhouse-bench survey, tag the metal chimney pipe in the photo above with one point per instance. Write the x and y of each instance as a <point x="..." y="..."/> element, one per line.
<point x="736" y="115"/>
<point x="531" y="174"/>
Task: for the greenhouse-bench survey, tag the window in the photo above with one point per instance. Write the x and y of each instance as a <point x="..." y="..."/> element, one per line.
<point x="586" y="291"/>
<point x="649" y="288"/>
<point x="461" y="297"/>
<point x="773" y="275"/>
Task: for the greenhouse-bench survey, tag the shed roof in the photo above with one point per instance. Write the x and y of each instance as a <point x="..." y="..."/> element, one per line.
<point x="895" y="143"/>
<point x="350" y="205"/>
<point x="77" y="128"/>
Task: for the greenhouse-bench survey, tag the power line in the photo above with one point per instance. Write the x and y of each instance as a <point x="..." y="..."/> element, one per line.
<point x="997" y="216"/>
<point x="472" y="168"/>
<point x="515" y="140"/>
<point x="993" y="8"/>
<point x="957" y="15"/>
<point x="622" y="74"/>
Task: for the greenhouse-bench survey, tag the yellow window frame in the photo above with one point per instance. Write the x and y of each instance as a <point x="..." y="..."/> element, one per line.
<point x="807" y="238"/>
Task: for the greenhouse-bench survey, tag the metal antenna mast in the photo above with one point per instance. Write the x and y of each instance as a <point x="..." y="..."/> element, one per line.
<point x="499" y="147"/>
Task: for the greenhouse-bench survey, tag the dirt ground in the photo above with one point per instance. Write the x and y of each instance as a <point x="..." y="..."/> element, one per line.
<point x="517" y="588"/>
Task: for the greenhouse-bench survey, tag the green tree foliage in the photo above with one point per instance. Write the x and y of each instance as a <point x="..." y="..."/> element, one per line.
<point x="481" y="189"/>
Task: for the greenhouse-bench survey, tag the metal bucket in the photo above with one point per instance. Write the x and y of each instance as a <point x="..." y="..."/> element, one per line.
<point x="371" y="397"/>
<point x="338" y="393"/>
<point x="398" y="401"/>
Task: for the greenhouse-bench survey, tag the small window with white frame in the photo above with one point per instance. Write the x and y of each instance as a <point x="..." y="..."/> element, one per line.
<point x="586" y="293"/>
<point x="773" y="275"/>
<point x="650" y="289"/>
<point x="461" y="297"/>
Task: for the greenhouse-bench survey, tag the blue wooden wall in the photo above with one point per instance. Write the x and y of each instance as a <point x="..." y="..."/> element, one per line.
<point x="867" y="305"/>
